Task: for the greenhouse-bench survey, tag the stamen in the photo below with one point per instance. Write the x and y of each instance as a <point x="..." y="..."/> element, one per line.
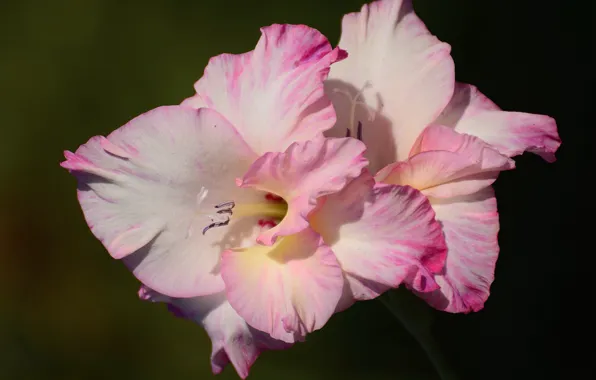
<point x="222" y="216"/>
<point x="356" y="100"/>
<point x="224" y="211"/>
<point x="229" y="204"/>
<point x="215" y="224"/>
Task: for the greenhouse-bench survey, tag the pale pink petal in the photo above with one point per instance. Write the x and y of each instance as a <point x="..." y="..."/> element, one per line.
<point x="512" y="133"/>
<point x="471" y="225"/>
<point x="404" y="75"/>
<point x="232" y="339"/>
<point x="146" y="189"/>
<point x="274" y="94"/>
<point x="303" y="173"/>
<point x="434" y="173"/>
<point x="195" y="101"/>
<point x="445" y="163"/>
<point x="286" y="290"/>
<point x="381" y="235"/>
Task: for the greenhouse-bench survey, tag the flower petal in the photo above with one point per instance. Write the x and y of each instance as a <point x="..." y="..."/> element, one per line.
<point x="445" y="163"/>
<point x="232" y="339"/>
<point x="381" y="236"/>
<point x="434" y="173"/>
<point x="142" y="190"/>
<point x="304" y="172"/>
<point x="471" y="225"/>
<point x="274" y="94"/>
<point x="285" y="290"/>
<point x="195" y="101"/>
<point x="511" y="133"/>
<point x="405" y="77"/>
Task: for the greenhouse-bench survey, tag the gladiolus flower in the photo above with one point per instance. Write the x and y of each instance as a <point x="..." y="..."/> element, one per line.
<point x="235" y="209"/>
<point x="397" y="93"/>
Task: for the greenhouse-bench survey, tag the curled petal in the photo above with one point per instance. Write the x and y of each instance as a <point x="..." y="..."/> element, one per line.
<point x="232" y="339"/>
<point x="382" y="236"/>
<point x="303" y="173"/>
<point x="286" y="290"/>
<point x="274" y="94"/>
<point x="140" y="190"/>
<point x="445" y="163"/>
<point x="471" y="225"/>
<point x="511" y="133"/>
<point x="434" y="173"/>
<point x="396" y="81"/>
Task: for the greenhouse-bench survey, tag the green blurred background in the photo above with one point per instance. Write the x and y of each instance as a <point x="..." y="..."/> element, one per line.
<point x="73" y="69"/>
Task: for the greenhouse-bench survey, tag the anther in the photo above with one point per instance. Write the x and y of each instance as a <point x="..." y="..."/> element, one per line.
<point x="359" y="131"/>
<point x="356" y="100"/>
<point x="216" y="224"/>
<point x="229" y="204"/>
<point x="223" y="215"/>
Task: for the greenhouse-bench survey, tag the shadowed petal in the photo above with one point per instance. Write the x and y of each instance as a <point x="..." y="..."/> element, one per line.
<point x="403" y="74"/>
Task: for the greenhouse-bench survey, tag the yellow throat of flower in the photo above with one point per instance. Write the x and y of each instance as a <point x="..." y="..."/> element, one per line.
<point x="275" y="210"/>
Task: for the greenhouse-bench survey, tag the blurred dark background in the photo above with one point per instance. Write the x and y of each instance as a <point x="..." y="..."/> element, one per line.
<point x="71" y="69"/>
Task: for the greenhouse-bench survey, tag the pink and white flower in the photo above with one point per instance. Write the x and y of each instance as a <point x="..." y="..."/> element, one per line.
<point x="234" y="208"/>
<point x="397" y="93"/>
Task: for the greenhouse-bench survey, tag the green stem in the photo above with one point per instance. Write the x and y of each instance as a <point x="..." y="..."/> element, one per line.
<point x="416" y="318"/>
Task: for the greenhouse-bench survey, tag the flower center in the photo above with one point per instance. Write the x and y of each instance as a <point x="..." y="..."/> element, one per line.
<point x="271" y="209"/>
<point x="355" y="129"/>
